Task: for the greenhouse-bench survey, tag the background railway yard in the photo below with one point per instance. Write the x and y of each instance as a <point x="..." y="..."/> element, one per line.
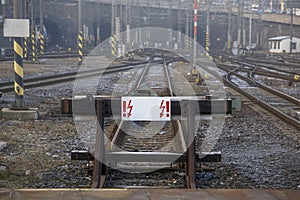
<point x="259" y="149"/>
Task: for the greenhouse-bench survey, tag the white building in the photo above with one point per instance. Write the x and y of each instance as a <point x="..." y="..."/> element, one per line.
<point x="281" y="44"/>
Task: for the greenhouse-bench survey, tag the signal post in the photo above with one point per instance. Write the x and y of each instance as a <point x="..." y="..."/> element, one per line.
<point x="18" y="29"/>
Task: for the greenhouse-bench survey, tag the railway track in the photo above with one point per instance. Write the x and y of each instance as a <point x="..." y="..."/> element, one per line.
<point x="282" y="105"/>
<point x="261" y="70"/>
<point x="144" y="146"/>
<point x="8" y="86"/>
<point x="49" y="55"/>
<point x="276" y="60"/>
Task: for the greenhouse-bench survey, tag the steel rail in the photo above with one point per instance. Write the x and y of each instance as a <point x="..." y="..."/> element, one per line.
<point x="178" y="128"/>
<point x="260" y="102"/>
<point x="262" y="72"/>
<point x="66" y="77"/>
<point x="254" y="82"/>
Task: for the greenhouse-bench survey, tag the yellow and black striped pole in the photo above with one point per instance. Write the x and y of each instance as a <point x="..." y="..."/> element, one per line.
<point x="80" y="46"/>
<point x="42" y="44"/>
<point x="33" y="47"/>
<point x="25" y="48"/>
<point x="207" y="41"/>
<point x="19" y="75"/>
<point x="207" y="44"/>
<point x="114" y="50"/>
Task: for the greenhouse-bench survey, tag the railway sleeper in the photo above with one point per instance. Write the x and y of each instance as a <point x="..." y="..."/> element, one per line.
<point x="82" y="155"/>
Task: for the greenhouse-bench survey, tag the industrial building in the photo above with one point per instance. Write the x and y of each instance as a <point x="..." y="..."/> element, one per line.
<point x="284" y="44"/>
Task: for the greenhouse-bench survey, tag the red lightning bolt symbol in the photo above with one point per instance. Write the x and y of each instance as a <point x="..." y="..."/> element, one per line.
<point x="162" y="107"/>
<point x="130" y="107"/>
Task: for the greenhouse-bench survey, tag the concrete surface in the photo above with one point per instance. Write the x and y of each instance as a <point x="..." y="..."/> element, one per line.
<point x="30" y="114"/>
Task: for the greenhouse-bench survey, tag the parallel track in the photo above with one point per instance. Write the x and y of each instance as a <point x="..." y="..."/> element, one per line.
<point x="8" y="86"/>
<point x="272" y="100"/>
<point x="54" y="55"/>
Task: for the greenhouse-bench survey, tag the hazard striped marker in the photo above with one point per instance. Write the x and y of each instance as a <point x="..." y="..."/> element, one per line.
<point x="80" y="46"/>
<point x="42" y="44"/>
<point x="18" y="70"/>
<point x="33" y="47"/>
<point x="26" y="48"/>
<point x="114" y="50"/>
<point x="207" y="44"/>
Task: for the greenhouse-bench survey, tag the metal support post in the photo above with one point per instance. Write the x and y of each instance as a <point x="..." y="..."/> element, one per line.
<point x="239" y="29"/>
<point x="114" y="49"/>
<point x="42" y="43"/>
<point x="99" y="165"/>
<point x="229" y="25"/>
<point x="118" y="34"/>
<point x="243" y="23"/>
<point x="128" y="24"/>
<point x="195" y="30"/>
<point x="26" y="48"/>
<point x="207" y="33"/>
<point x="33" y="38"/>
<point x="3" y="10"/>
<point x="113" y="17"/>
<point x="80" y="47"/>
<point x="18" y="64"/>
<point x="187" y="28"/>
<point x="80" y="33"/>
<point x="292" y="32"/>
<point x="250" y="29"/>
<point x="41" y="36"/>
<point x="179" y="24"/>
<point x="33" y="48"/>
<point x="191" y="155"/>
<point x="26" y="39"/>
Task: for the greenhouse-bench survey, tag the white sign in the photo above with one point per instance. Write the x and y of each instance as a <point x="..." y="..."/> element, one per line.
<point x="16" y="28"/>
<point x="146" y="108"/>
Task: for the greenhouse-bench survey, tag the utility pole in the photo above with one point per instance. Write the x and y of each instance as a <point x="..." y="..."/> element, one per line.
<point x="195" y="29"/>
<point x="179" y="23"/>
<point x="33" y="36"/>
<point x="187" y="28"/>
<point x="41" y="36"/>
<point x="250" y="27"/>
<point x="117" y="23"/>
<point x="80" y="33"/>
<point x="41" y="15"/>
<point x="259" y="25"/>
<point x="97" y="25"/>
<point x="207" y="44"/>
<point x="3" y="11"/>
<point x="79" y="15"/>
<point x="26" y="39"/>
<point x="128" y="22"/>
<point x="170" y="26"/>
<point x="113" y="17"/>
<point x="229" y="25"/>
<point x="239" y="29"/>
<point x="292" y="31"/>
<point x="243" y="23"/>
<point x="121" y="16"/>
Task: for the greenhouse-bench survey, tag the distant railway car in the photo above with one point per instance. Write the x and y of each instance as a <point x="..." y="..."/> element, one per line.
<point x="281" y="44"/>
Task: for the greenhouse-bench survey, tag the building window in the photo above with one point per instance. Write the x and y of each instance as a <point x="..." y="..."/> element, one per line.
<point x="278" y="45"/>
<point x="274" y="45"/>
<point x="294" y="45"/>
